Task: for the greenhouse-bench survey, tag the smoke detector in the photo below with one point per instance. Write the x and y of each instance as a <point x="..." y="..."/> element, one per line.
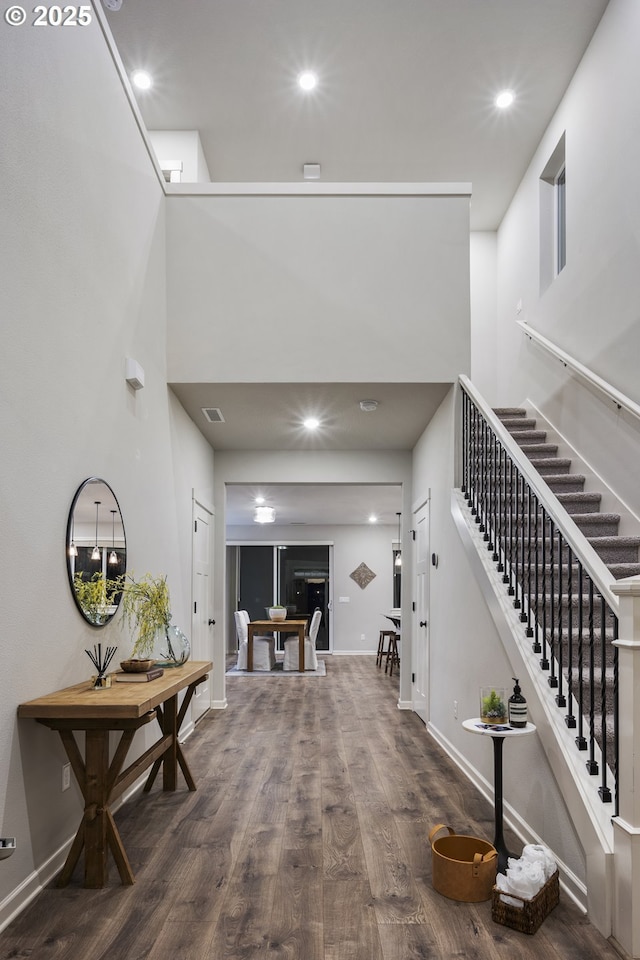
<point x="368" y="405"/>
<point x="112" y="4"/>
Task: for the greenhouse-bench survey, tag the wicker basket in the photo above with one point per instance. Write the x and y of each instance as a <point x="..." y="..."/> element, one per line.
<point x="463" y="868"/>
<point x="530" y="915"/>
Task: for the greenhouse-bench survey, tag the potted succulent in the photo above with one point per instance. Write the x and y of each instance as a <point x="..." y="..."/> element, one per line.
<point x="493" y="705"/>
<point x="277" y="612"/>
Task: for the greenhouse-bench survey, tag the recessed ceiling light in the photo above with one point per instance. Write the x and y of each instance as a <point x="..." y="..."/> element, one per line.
<point x="307" y="80"/>
<point x="311" y="423"/>
<point x="141" y="79"/>
<point x="259" y="500"/>
<point x="264" y="515"/>
<point x="505" y="99"/>
<point x="368" y="405"/>
<point x="373" y="518"/>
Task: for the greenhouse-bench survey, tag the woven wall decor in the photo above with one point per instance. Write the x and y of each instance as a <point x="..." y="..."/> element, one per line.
<point x="362" y="575"/>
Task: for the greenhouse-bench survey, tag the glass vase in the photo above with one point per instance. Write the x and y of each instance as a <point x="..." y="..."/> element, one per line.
<point x="172" y="647"/>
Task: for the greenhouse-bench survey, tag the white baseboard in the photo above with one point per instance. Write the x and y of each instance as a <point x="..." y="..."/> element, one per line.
<point x="405" y="704"/>
<point x="219" y="704"/>
<point x="351" y="653"/>
<point x="570" y="883"/>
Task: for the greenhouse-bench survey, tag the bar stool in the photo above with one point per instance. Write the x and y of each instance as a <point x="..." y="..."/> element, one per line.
<point x="384" y="635"/>
<point x="393" y="655"/>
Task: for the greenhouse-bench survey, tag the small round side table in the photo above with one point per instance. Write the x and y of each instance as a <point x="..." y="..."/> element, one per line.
<point x="498" y="733"/>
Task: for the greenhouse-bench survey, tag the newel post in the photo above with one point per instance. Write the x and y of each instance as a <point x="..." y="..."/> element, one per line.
<point x="626" y="826"/>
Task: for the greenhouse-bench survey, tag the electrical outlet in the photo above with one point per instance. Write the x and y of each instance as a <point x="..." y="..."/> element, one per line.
<point x="66" y="776"/>
<point x="455" y="709"/>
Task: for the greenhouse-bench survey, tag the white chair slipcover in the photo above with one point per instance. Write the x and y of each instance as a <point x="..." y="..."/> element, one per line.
<point x="291" y="647"/>
<point x="264" y="648"/>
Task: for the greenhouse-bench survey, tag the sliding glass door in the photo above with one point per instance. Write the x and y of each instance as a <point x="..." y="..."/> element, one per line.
<point x="297" y="576"/>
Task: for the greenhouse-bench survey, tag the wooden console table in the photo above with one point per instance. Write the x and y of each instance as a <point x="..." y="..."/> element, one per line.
<point x="123" y="707"/>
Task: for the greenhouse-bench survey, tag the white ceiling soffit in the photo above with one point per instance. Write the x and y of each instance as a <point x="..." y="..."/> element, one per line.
<point x="405" y="90"/>
<point x="269" y="416"/>
<point x="299" y="506"/>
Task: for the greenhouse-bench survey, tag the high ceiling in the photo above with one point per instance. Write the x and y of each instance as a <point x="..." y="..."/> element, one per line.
<point x="405" y="87"/>
<point x="405" y="93"/>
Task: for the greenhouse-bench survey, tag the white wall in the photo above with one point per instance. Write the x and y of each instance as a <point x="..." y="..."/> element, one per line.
<point x="327" y="289"/>
<point x="466" y="652"/>
<point x="352" y="545"/>
<point x="592" y="310"/>
<point x="185" y="146"/>
<point x="83" y="263"/>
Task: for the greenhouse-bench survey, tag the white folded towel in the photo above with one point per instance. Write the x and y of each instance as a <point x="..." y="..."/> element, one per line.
<point x="527" y="876"/>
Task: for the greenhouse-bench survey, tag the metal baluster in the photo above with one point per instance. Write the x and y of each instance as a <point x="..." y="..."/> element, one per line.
<point x="481" y="475"/>
<point x="544" y="662"/>
<point x="553" y="680"/>
<point x="497" y="540"/>
<point x="592" y="764"/>
<point x="570" y="719"/>
<point x="518" y="541"/>
<point x="536" y="647"/>
<point x="465" y="443"/>
<point x="560" y="697"/>
<point x="603" y="789"/>
<point x="581" y="741"/>
<point x="526" y="617"/>
<point x="511" y="591"/>
<point x="491" y="520"/>
<point x="616" y="718"/>
<point x="502" y="563"/>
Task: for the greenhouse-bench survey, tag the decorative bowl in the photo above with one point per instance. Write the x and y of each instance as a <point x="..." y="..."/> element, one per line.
<point x="136" y="666"/>
<point x="277" y="613"/>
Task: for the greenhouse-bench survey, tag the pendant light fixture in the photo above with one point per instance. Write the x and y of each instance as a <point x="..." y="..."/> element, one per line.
<point x="72" y="550"/>
<point x="95" y="555"/>
<point x="398" y="560"/>
<point x="113" y="556"/>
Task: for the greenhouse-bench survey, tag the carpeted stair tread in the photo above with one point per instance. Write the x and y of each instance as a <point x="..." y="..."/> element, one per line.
<point x="580" y="502"/>
<point x="622" y="570"/>
<point x="565" y="482"/>
<point x="553" y="465"/>
<point x="519" y="425"/>
<point x="541" y="451"/>
<point x="526" y="437"/>
<point x="502" y="412"/>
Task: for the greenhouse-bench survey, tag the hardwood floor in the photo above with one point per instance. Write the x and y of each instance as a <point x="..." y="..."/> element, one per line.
<point x="306" y="840"/>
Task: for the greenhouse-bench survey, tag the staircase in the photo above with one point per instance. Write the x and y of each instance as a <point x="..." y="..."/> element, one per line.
<point x="620" y="554"/>
<point x="575" y="626"/>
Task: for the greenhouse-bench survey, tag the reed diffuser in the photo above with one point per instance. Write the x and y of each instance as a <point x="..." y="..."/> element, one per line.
<point x="101" y="663"/>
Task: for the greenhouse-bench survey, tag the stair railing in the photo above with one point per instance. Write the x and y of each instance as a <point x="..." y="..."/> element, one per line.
<point x="555" y="578"/>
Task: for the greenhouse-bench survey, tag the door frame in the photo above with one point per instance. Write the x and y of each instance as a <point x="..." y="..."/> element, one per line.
<point x="420" y="634"/>
<point x="200" y="506"/>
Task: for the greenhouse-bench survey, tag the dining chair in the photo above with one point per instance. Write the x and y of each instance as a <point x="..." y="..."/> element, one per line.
<point x="264" y="648"/>
<point x="291" y="647"/>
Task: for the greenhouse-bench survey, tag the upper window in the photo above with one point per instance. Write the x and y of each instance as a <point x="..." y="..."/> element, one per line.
<point x="553" y="217"/>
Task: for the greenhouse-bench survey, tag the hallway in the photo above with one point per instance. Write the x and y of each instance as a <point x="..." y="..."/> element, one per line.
<point x="306" y="840"/>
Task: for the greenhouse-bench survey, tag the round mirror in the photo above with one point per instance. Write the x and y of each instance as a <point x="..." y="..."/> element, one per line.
<point x="96" y="550"/>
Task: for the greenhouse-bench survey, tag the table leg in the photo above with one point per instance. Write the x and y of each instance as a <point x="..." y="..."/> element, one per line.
<point x="249" y="648"/>
<point x="498" y="841"/>
<point x="170" y="758"/>
<point x="95" y="811"/>
<point x="301" y="649"/>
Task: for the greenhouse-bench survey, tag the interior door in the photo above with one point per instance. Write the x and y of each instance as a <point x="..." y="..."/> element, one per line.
<point x="202" y="624"/>
<point x="421" y="626"/>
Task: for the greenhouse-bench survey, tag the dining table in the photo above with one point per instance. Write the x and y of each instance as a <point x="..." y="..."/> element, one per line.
<point x="256" y="627"/>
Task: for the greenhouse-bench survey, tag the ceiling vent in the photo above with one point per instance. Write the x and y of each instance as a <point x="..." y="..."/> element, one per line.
<point x="213" y="414"/>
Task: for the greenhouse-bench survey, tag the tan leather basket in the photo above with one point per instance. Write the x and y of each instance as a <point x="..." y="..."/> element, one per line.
<point x="463" y="868"/>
